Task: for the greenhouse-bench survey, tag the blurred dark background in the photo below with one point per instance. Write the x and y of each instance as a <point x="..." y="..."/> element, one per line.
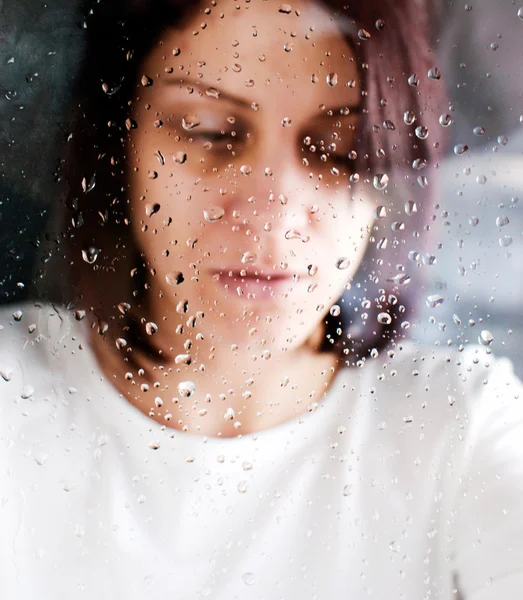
<point x="478" y="274"/>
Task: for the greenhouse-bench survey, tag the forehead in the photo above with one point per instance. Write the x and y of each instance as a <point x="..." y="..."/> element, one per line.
<point x="257" y="48"/>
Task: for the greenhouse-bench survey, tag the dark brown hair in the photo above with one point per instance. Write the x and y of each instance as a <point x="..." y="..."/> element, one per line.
<point x="93" y="249"/>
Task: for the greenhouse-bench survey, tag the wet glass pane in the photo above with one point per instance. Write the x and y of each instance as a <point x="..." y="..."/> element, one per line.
<point x="259" y="299"/>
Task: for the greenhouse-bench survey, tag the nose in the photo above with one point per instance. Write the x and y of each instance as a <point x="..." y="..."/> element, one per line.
<point x="274" y="192"/>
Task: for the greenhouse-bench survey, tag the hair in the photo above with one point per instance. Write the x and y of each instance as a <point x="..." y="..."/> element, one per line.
<point x="93" y="250"/>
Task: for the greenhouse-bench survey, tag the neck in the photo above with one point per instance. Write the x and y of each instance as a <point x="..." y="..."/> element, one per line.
<point x="234" y="390"/>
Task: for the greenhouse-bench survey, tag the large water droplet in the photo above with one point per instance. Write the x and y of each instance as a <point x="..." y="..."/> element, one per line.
<point x="434" y="300"/>
<point x="409" y="117"/>
<point x="151" y="328"/>
<point x="248" y="258"/>
<point x="384" y="318"/>
<point x="190" y="121"/>
<point x="213" y="213"/>
<point x="332" y="79"/>
<point x="174" y="278"/>
<point x="460" y="149"/>
<point x="381" y="181"/>
<point x="422" y="132"/>
<point x="186" y="388"/>
<point x="446" y="120"/>
<point x="285" y="9"/>
<point x="245" y="170"/>
<point x="485" y="338"/>
<point x="180" y="157"/>
<point x="434" y="73"/>
<point x="90" y="254"/>
<point x="294" y="234"/>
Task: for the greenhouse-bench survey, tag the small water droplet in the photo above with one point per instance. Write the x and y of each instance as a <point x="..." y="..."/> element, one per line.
<point x="363" y="34"/>
<point x="342" y="263"/>
<point x="213" y="214"/>
<point x="312" y="270"/>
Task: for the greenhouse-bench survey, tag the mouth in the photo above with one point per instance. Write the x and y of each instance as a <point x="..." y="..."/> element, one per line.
<point x="255" y="283"/>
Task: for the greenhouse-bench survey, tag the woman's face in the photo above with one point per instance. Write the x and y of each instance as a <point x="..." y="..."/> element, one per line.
<point x="239" y="174"/>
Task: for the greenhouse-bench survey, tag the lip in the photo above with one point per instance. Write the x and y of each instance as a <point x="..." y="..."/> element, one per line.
<point x="255" y="284"/>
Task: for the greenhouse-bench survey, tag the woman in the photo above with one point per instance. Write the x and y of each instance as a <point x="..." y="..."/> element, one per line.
<point x="223" y="405"/>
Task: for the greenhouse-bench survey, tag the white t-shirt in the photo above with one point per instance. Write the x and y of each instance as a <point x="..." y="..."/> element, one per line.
<point x="408" y="474"/>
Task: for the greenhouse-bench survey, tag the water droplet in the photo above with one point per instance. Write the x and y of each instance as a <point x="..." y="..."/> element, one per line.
<point x="347" y="490"/>
<point x="248" y="258"/>
<point x="380" y="24"/>
<point x="413" y="80"/>
<point x="285" y="9"/>
<point x="312" y="270"/>
<point x="286" y="122"/>
<point x="520" y="12"/>
<point x="332" y="79"/>
<point x="502" y="221"/>
<point x="446" y="120"/>
<point x="505" y="241"/>
<point x="180" y="157"/>
<point x="293" y="234"/>
<point x="229" y="414"/>
<point x="478" y="131"/>
<point x="151" y="328"/>
<point x="409" y="117"/>
<point x="411" y="208"/>
<point x="213" y="213"/>
<point x="90" y="254"/>
<point x="186" y="388"/>
<point x="17" y="315"/>
<point x="363" y="34"/>
<point x="183" y="359"/>
<point x="485" y="338"/>
<point x="381" y="181"/>
<point x="212" y="92"/>
<point x="146" y="81"/>
<point x="434" y="73"/>
<point x="174" y="278"/>
<point x="389" y="125"/>
<point x="384" y="318"/>
<point x="422" y="132"/>
<point x="335" y="310"/>
<point x="380" y="212"/>
<point x="190" y="121"/>
<point x="342" y="263"/>
<point x="434" y="300"/>
<point x="249" y="578"/>
<point x="245" y="170"/>
<point x="460" y="149"/>
<point x="423" y="181"/>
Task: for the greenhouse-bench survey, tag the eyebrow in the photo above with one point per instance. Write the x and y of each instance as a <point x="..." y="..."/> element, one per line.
<point x="354" y="109"/>
<point x="224" y="95"/>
